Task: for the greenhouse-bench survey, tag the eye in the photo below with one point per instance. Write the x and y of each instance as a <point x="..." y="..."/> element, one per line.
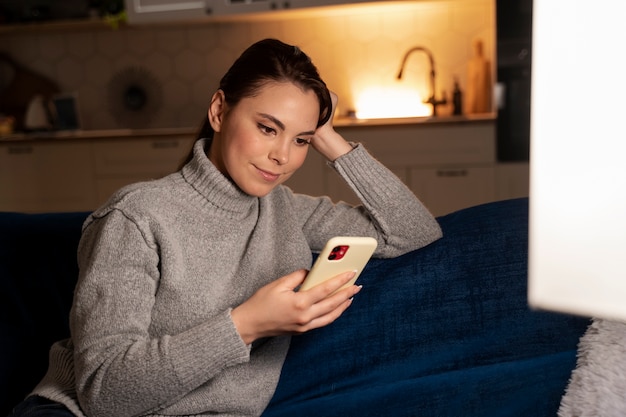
<point x="266" y="129"/>
<point x="302" y="141"/>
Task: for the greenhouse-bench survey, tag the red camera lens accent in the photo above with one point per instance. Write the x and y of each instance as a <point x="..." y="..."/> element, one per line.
<point x="338" y="252"/>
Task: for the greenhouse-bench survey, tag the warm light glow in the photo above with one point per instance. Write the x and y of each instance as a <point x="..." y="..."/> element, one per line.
<point x="390" y="102"/>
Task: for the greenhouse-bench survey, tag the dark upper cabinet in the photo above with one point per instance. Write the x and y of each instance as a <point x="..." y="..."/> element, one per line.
<point x="513" y="56"/>
<point x="146" y="11"/>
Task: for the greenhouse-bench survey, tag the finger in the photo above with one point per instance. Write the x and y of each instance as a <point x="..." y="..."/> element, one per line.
<point x="293" y="280"/>
<point x="333" y="107"/>
<point x="328" y="317"/>
<point x="334" y="100"/>
<point x="327" y="310"/>
<point x="336" y="299"/>
<point x="330" y="286"/>
<point x="333" y="303"/>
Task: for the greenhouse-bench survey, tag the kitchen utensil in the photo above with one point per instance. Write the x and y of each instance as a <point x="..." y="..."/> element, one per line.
<point x="21" y="86"/>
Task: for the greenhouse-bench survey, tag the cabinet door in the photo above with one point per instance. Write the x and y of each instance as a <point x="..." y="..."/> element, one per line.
<point x="444" y="190"/>
<point x="46" y="177"/>
<point x="121" y="162"/>
<point x="147" y="11"/>
<point x="512" y="180"/>
<point x="294" y="4"/>
<point x="310" y="177"/>
<point x="144" y="11"/>
<point x="231" y="7"/>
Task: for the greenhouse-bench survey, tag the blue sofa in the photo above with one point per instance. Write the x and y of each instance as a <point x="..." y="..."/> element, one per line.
<point x="441" y="331"/>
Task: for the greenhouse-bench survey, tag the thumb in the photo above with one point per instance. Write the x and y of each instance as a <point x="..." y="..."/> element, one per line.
<point x="293" y="280"/>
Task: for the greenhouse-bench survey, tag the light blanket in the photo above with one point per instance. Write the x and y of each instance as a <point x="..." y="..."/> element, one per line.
<point x="598" y="384"/>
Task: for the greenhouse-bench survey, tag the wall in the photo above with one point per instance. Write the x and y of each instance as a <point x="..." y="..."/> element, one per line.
<point x="353" y="51"/>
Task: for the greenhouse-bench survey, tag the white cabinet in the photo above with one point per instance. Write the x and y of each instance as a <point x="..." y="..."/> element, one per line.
<point x="444" y="190"/>
<point x="449" y="166"/>
<point x="119" y="162"/>
<point x="81" y="174"/>
<point x="145" y="11"/>
<point x="46" y="176"/>
<point x="231" y="7"/>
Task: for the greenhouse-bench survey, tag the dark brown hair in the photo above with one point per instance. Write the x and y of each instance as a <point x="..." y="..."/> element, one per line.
<point x="266" y="61"/>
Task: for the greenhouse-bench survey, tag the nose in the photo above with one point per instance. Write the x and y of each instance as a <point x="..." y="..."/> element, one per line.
<point x="279" y="153"/>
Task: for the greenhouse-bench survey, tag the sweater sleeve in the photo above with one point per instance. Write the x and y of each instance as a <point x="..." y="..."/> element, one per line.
<point x="120" y="368"/>
<point x="390" y="212"/>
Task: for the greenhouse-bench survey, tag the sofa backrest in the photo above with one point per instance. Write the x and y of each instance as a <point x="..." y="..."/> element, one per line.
<point x="38" y="272"/>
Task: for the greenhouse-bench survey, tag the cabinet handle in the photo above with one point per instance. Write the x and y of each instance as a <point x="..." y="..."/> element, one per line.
<point x="20" y="150"/>
<point x="452" y="173"/>
<point x="164" y="144"/>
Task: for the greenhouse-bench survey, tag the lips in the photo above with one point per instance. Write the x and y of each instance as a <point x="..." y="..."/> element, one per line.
<point x="268" y="176"/>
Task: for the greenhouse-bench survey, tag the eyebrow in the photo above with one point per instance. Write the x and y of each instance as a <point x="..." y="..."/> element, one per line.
<point x="281" y="125"/>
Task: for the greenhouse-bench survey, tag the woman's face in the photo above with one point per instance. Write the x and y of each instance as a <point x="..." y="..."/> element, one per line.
<point x="261" y="141"/>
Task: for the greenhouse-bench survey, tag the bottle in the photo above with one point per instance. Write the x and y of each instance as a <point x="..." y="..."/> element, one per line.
<point x="478" y="90"/>
<point x="457" y="99"/>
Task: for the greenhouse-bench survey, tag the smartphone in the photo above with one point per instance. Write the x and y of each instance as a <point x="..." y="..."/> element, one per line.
<point x="340" y="254"/>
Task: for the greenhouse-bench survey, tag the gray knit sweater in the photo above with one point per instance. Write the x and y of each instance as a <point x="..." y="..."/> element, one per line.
<point x="163" y="263"/>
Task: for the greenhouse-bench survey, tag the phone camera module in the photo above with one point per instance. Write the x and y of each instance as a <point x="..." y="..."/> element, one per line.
<point x="338" y="252"/>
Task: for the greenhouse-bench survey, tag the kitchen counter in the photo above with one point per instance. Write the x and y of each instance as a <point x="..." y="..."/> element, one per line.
<point x="342" y="121"/>
<point x="339" y="122"/>
<point x="96" y="134"/>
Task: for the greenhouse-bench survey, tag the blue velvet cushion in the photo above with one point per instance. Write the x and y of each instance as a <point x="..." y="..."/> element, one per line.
<point x="442" y="331"/>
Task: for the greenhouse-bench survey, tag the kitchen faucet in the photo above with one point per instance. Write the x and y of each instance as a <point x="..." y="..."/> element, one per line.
<point x="432" y="100"/>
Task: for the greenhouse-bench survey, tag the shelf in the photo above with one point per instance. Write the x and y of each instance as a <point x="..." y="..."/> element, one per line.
<point x="58" y="26"/>
<point x="96" y="23"/>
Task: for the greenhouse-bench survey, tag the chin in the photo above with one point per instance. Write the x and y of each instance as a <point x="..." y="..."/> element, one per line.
<point x="258" y="191"/>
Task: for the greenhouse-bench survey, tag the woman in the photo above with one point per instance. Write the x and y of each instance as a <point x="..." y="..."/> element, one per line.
<point x="185" y="299"/>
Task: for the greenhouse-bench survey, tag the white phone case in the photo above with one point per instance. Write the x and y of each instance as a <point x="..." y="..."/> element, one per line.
<point x="357" y="251"/>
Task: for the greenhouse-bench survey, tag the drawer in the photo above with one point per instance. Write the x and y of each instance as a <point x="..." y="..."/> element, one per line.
<point x="146" y="157"/>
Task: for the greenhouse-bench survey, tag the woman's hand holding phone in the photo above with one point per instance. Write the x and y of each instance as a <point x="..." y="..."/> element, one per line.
<point x="276" y="309"/>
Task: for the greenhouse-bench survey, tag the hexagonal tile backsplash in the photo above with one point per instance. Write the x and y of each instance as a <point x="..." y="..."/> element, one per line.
<point x="353" y="51"/>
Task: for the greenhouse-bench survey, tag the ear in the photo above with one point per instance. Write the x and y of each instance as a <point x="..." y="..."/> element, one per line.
<point x="217" y="109"/>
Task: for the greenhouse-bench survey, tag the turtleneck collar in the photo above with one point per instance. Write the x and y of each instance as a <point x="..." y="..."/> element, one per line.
<point x="212" y="185"/>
